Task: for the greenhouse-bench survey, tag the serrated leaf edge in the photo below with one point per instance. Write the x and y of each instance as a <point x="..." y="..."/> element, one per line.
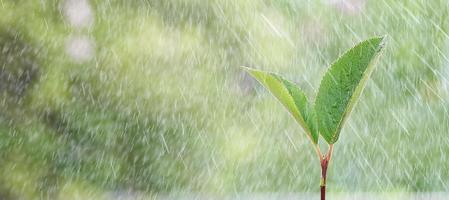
<point x="352" y="101"/>
<point x="301" y="121"/>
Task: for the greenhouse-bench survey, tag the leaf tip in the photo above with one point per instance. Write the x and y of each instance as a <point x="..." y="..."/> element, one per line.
<point x="244" y="67"/>
<point x="248" y="69"/>
<point x="382" y="40"/>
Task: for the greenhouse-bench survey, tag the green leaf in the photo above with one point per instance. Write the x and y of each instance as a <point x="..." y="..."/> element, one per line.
<point x="342" y="85"/>
<point x="293" y="99"/>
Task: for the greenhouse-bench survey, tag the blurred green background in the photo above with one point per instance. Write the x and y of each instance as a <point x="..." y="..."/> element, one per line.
<point x="98" y="97"/>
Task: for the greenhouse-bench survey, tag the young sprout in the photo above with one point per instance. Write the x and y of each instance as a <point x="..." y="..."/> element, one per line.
<point x="339" y="91"/>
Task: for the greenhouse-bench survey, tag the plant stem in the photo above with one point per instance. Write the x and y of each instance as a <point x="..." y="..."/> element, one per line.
<point x="324" y="160"/>
<point x="324" y="164"/>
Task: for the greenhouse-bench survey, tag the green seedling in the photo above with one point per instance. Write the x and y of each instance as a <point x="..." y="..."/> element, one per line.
<point x="339" y="91"/>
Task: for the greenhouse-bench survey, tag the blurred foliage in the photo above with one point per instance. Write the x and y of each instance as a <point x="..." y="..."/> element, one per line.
<point x="162" y="106"/>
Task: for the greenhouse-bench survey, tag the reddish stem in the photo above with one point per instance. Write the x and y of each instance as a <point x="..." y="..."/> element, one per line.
<point x="324" y="160"/>
<point x="323" y="192"/>
<point x="324" y="164"/>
